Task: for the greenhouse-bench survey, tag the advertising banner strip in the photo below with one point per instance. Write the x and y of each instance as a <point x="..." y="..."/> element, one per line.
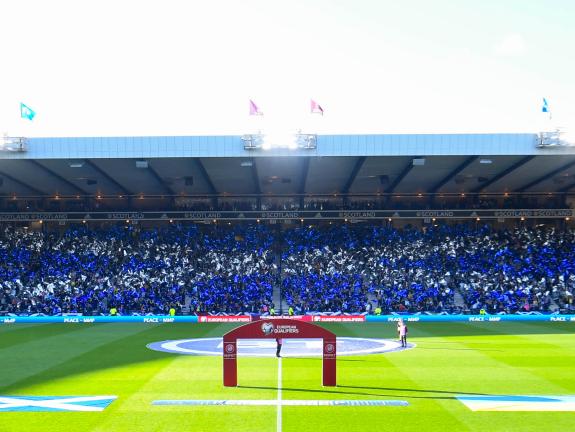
<point x="224" y="319"/>
<point x="288" y="215"/>
<point x="310" y="318"/>
<point x="470" y="318"/>
<point x="97" y="319"/>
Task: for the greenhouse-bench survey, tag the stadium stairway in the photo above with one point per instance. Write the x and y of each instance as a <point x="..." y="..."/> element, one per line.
<point x="186" y="308"/>
<point x="458" y="300"/>
<point x="277" y="299"/>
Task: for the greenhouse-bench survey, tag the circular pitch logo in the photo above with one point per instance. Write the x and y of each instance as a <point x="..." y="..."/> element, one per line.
<point x="265" y="347"/>
<point x="267" y="328"/>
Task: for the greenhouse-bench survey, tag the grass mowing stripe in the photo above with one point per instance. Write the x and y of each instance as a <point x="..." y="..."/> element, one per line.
<point x="482" y="364"/>
<point x="6" y="328"/>
<point x="450" y="359"/>
<point x="29" y="332"/>
<point x="122" y="367"/>
<point x="124" y="405"/>
<point x="534" y="356"/>
<point x="25" y="363"/>
<point x="359" y="378"/>
<point x="200" y="378"/>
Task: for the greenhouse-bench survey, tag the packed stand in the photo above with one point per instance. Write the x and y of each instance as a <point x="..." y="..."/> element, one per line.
<point x="455" y="268"/>
<point x="335" y="268"/>
<point x="91" y="271"/>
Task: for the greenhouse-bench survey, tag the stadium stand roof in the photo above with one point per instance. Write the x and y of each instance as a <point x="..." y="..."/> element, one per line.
<point x="354" y="164"/>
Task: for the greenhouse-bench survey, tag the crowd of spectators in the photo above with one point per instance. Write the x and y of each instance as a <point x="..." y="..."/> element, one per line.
<point x="149" y="271"/>
<point x="345" y="268"/>
<point x="376" y="268"/>
<point x="366" y="268"/>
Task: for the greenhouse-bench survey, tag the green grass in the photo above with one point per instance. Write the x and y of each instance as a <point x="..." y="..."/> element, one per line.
<point x="450" y="359"/>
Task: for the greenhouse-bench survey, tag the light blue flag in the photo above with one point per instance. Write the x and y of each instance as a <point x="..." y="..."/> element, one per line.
<point x="26" y="112"/>
<point x="545" y="107"/>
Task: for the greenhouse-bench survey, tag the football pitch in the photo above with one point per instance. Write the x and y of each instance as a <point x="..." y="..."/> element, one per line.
<point x="450" y="360"/>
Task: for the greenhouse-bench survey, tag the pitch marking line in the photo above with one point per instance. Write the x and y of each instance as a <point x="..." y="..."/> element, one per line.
<point x="284" y="402"/>
<point x="279" y="402"/>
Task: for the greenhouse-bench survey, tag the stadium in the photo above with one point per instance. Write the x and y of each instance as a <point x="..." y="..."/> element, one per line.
<point x="246" y="216"/>
<point x="125" y="260"/>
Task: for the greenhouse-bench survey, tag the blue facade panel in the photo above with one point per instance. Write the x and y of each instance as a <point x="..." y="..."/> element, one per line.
<point x="327" y="145"/>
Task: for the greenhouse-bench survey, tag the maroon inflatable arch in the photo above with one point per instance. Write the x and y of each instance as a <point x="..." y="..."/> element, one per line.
<point x="279" y="328"/>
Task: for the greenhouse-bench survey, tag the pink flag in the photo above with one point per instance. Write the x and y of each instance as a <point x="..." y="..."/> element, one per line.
<point x="254" y="110"/>
<point x="316" y="108"/>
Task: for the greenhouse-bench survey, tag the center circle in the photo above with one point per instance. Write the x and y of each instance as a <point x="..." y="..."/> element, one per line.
<point x="346" y="346"/>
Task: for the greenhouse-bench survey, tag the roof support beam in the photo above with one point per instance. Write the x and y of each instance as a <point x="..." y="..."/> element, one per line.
<point x="58" y="176"/>
<point x="358" y="164"/>
<point x="567" y="188"/>
<point x="503" y="173"/>
<point x="304" y="173"/>
<point x="256" y="180"/>
<point x="160" y="180"/>
<point x="303" y="181"/>
<point x="452" y="174"/>
<point x="206" y="176"/>
<point x="208" y="180"/>
<point x="546" y="177"/>
<point x="21" y="183"/>
<point x="107" y="177"/>
<point x="256" y="177"/>
<point x="401" y="176"/>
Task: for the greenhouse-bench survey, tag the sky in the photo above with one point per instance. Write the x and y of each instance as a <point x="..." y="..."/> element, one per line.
<point x="170" y="67"/>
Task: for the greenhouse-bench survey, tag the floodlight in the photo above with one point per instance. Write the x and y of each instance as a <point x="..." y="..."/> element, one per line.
<point x="559" y="137"/>
<point x="279" y="139"/>
<point x="13" y="144"/>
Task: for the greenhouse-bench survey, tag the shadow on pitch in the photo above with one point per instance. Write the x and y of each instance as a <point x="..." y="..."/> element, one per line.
<point x="374" y="391"/>
<point x="121" y="352"/>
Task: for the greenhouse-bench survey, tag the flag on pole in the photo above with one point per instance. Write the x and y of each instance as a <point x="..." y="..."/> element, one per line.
<point x="26" y="112"/>
<point x="254" y="110"/>
<point x="316" y="108"/>
<point x="545" y="108"/>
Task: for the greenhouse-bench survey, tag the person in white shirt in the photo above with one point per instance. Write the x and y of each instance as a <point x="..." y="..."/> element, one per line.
<point x="403" y="334"/>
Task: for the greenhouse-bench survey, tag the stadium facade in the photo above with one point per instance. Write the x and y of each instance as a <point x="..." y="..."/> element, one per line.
<point x="447" y="176"/>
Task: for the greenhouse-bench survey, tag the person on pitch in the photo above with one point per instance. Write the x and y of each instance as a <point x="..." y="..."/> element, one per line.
<point x="279" y="343"/>
<point x="403" y="334"/>
<point x="399" y="324"/>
